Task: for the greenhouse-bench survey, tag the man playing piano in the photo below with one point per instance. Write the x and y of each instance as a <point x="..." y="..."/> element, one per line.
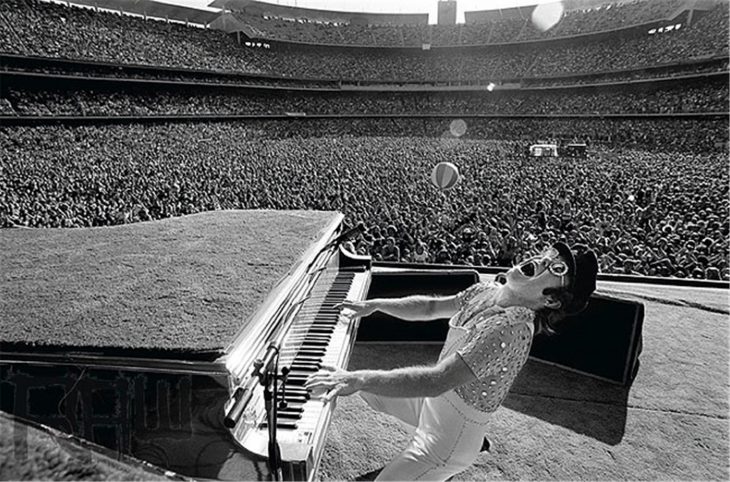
<point x="491" y="328"/>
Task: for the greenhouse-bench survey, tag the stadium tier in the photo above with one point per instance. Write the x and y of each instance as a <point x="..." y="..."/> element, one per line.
<point x="24" y="99"/>
<point x="36" y="28"/>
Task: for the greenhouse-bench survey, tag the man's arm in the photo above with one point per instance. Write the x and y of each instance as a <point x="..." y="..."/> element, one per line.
<point x="408" y="382"/>
<point x="410" y="308"/>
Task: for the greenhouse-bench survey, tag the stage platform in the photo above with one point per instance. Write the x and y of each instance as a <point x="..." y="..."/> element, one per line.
<point x="672" y="423"/>
<point x="184" y="284"/>
<point x="187" y="284"/>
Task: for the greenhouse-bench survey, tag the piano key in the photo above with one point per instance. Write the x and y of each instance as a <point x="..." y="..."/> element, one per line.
<point x="279" y="425"/>
<point x="297" y="380"/>
<point x="288" y="415"/>
<point x="310" y="367"/>
<point x="296" y="391"/>
<point x="306" y="357"/>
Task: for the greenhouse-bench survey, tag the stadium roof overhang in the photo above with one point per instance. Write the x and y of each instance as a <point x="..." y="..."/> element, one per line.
<point x="152" y="8"/>
<point x="255" y="8"/>
<point x="230" y="24"/>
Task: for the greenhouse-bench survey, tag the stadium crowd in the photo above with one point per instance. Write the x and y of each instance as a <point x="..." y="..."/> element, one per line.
<point x="651" y="197"/>
<point x="51" y="30"/>
<point x="507" y="26"/>
<point x="702" y="97"/>
<point x="646" y="211"/>
<point x="690" y="70"/>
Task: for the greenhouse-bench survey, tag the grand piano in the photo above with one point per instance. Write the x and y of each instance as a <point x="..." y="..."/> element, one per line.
<point x="179" y="389"/>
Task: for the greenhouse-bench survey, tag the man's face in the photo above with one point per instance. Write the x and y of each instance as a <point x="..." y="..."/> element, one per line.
<point x="533" y="275"/>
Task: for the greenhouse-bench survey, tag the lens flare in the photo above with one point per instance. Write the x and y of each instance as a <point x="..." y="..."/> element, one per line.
<point x="546" y="15"/>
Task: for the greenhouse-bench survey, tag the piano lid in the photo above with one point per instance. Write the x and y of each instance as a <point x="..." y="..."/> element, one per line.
<point x="179" y="287"/>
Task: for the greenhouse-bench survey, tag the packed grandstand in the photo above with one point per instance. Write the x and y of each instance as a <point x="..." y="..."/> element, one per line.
<point x="111" y="118"/>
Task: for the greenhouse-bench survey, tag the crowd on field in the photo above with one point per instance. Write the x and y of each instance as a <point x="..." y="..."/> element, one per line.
<point x="51" y="30"/>
<point x="648" y="212"/>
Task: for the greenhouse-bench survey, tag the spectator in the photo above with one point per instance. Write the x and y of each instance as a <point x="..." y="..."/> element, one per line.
<point x="391" y="252"/>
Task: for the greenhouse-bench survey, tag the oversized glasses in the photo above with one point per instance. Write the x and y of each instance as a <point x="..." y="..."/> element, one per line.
<point x="548" y="258"/>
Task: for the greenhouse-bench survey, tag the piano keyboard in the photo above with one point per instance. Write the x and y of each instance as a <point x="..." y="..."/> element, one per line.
<point x="319" y="335"/>
<point x="315" y="340"/>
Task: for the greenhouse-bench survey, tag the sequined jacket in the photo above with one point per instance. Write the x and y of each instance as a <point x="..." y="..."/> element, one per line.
<point x="493" y="341"/>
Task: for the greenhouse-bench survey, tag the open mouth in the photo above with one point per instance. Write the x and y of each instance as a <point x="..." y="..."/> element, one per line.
<point x="527" y="269"/>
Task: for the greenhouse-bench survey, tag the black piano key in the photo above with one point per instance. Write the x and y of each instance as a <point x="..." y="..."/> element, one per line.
<point x="322" y="329"/>
<point x="280" y="425"/>
<point x="314" y="343"/>
<point x="297" y="381"/>
<point x="288" y="415"/>
<point x="309" y="367"/>
<point x="315" y="352"/>
<point x="317" y="336"/>
<point x="322" y="341"/>
<point x="311" y="358"/>
<point x="296" y="363"/>
<point x="294" y="376"/>
<point x="307" y="358"/>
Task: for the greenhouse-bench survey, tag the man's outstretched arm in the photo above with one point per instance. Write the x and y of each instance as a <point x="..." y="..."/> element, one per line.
<point x="418" y="381"/>
<point x="411" y="308"/>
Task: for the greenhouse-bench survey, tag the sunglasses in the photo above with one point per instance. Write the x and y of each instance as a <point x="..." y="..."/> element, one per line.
<point x="548" y="259"/>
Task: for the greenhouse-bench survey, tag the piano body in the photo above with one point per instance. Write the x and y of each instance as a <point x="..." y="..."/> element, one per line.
<point x="200" y="413"/>
<point x="301" y="325"/>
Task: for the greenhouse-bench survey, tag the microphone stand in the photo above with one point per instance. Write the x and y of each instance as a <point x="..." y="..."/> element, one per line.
<point x="268" y="373"/>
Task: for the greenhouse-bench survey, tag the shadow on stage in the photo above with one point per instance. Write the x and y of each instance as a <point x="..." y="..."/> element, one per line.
<point x="586" y="405"/>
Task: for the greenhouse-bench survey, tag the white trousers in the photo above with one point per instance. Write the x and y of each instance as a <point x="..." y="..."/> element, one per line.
<point x="447" y="439"/>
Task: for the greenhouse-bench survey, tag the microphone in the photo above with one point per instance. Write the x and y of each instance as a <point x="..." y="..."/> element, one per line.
<point x="360" y="228"/>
